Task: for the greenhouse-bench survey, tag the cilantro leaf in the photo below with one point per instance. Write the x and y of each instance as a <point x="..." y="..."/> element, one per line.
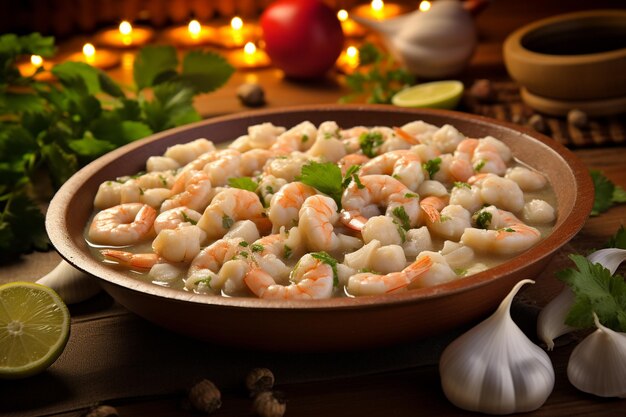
<point x="205" y="71"/>
<point x="244" y="183"/>
<point x="401" y="215"/>
<point x="22" y="227"/>
<point x="78" y="76"/>
<point x="432" y="166"/>
<point x="369" y="141"/>
<point x="227" y="222"/>
<point x="171" y="106"/>
<point x="595" y="291"/>
<point x="151" y="62"/>
<point x="482" y="219"/>
<point x="328" y="260"/>
<point x="324" y="177"/>
<point x="606" y="193"/>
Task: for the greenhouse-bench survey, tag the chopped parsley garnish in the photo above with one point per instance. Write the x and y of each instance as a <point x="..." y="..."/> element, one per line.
<point x="479" y="166"/>
<point x="244" y="254"/>
<point x="351" y="174"/>
<point x="305" y="138"/>
<point x="141" y="191"/>
<point x="269" y="189"/>
<point x="287" y="252"/>
<point x="370" y="140"/>
<point x="257" y="247"/>
<point x="461" y="184"/>
<point x="335" y="134"/>
<point x="401" y="215"/>
<point x="444" y="219"/>
<point x="163" y="180"/>
<point x="188" y="219"/>
<point x="243" y="243"/>
<point x="483" y="219"/>
<point x="227" y="222"/>
<point x="328" y="260"/>
<point x="432" y="166"/>
<point x="508" y="230"/>
<point x="411" y="195"/>
<point x="401" y="231"/>
<point x="206" y="281"/>
<point x="244" y="183"/>
<point x="460" y="271"/>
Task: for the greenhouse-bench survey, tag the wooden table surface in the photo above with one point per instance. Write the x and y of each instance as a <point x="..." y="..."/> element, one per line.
<point x="414" y="390"/>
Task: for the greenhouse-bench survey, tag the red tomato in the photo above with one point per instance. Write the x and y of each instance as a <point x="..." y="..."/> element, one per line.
<point x="302" y="37"/>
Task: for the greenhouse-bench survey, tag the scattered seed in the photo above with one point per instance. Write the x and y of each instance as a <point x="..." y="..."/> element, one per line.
<point x="251" y="95"/>
<point x="259" y="380"/>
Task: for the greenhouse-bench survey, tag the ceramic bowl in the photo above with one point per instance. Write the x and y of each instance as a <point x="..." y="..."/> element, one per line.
<point x="334" y="324"/>
<point x="576" y="57"/>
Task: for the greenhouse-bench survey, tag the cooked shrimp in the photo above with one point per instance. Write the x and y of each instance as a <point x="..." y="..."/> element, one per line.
<point x="227" y="165"/>
<point x="403" y="165"/>
<point x="311" y="279"/>
<point x="350" y="160"/>
<point x="538" y="212"/>
<point x="207" y="264"/>
<point x="171" y="219"/>
<point x="420" y="130"/>
<point x="287" y="167"/>
<point x="350" y="138"/>
<point x="161" y="163"/>
<point x="328" y="145"/>
<point x="452" y="222"/>
<point x="268" y="186"/>
<point x="124" y="224"/>
<point x="264" y="135"/>
<point x="382" y="190"/>
<point x="368" y="283"/>
<point x="298" y="138"/>
<point x="286" y="204"/>
<point x="253" y="161"/>
<point x="467" y="196"/>
<point x="506" y="234"/>
<point x="438" y="273"/>
<point x="528" y="180"/>
<point x="108" y="195"/>
<point x="446" y="138"/>
<point x="453" y="168"/>
<point x="181" y="244"/>
<point x="187" y="152"/>
<point x="130" y="259"/>
<point x="285" y="244"/>
<point x="431" y="206"/>
<point x="318" y="215"/>
<point x="227" y="207"/>
<point x="501" y="192"/>
<point x="192" y="189"/>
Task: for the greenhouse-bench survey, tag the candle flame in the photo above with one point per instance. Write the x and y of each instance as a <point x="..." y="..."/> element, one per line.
<point x="377" y="5"/>
<point x="249" y="48"/>
<point x="352" y="52"/>
<point x="89" y="51"/>
<point x="236" y="23"/>
<point x="36" y="60"/>
<point x="194" y="28"/>
<point x="342" y="15"/>
<point x="126" y="28"/>
<point x="425" y="6"/>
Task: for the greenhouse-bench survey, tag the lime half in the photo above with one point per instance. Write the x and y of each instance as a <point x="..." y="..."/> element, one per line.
<point x="436" y="94"/>
<point x="34" y="328"/>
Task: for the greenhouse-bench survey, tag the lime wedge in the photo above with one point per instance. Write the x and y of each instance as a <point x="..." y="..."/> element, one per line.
<point x="436" y="94"/>
<point x="34" y="328"/>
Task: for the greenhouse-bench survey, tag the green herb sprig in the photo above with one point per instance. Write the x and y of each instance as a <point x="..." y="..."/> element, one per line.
<point x="50" y="130"/>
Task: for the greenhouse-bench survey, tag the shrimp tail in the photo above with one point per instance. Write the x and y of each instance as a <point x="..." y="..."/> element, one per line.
<point x="406" y="136"/>
<point x="353" y="220"/>
<point x="432" y="213"/>
<point x="134" y="260"/>
<point x="258" y="281"/>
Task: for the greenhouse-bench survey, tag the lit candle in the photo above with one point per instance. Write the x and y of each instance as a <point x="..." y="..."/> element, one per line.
<point x="250" y="57"/>
<point x="29" y="68"/>
<point x="425" y="6"/>
<point x="101" y="58"/>
<point x="125" y="36"/>
<point x="194" y="33"/>
<point x="350" y="27"/>
<point x="348" y="61"/>
<point x="379" y="10"/>
<point x="237" y="33"/>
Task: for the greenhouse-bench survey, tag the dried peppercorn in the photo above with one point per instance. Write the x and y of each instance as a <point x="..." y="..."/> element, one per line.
<point x="259" y="380"/>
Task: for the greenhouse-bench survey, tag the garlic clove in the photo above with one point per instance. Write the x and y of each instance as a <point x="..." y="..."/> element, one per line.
<point x="72" y="285"/>
<point x="610" y="258"/>
<point x="494" y="368"/>
<point x="551" y="320"/>
<point x="598" y="364"/>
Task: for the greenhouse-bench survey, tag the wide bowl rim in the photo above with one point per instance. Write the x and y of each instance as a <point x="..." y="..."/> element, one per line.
<point x="513" y="44"/>
<point x="57" y="220"/>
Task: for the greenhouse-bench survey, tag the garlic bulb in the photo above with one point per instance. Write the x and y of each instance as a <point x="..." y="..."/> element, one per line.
<point x="72" y="285"/>
<point x="598" y="364"/>
<point x="432" y="44"/>
<point x="494" y="368"/>
<point x="551" y="320"/>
